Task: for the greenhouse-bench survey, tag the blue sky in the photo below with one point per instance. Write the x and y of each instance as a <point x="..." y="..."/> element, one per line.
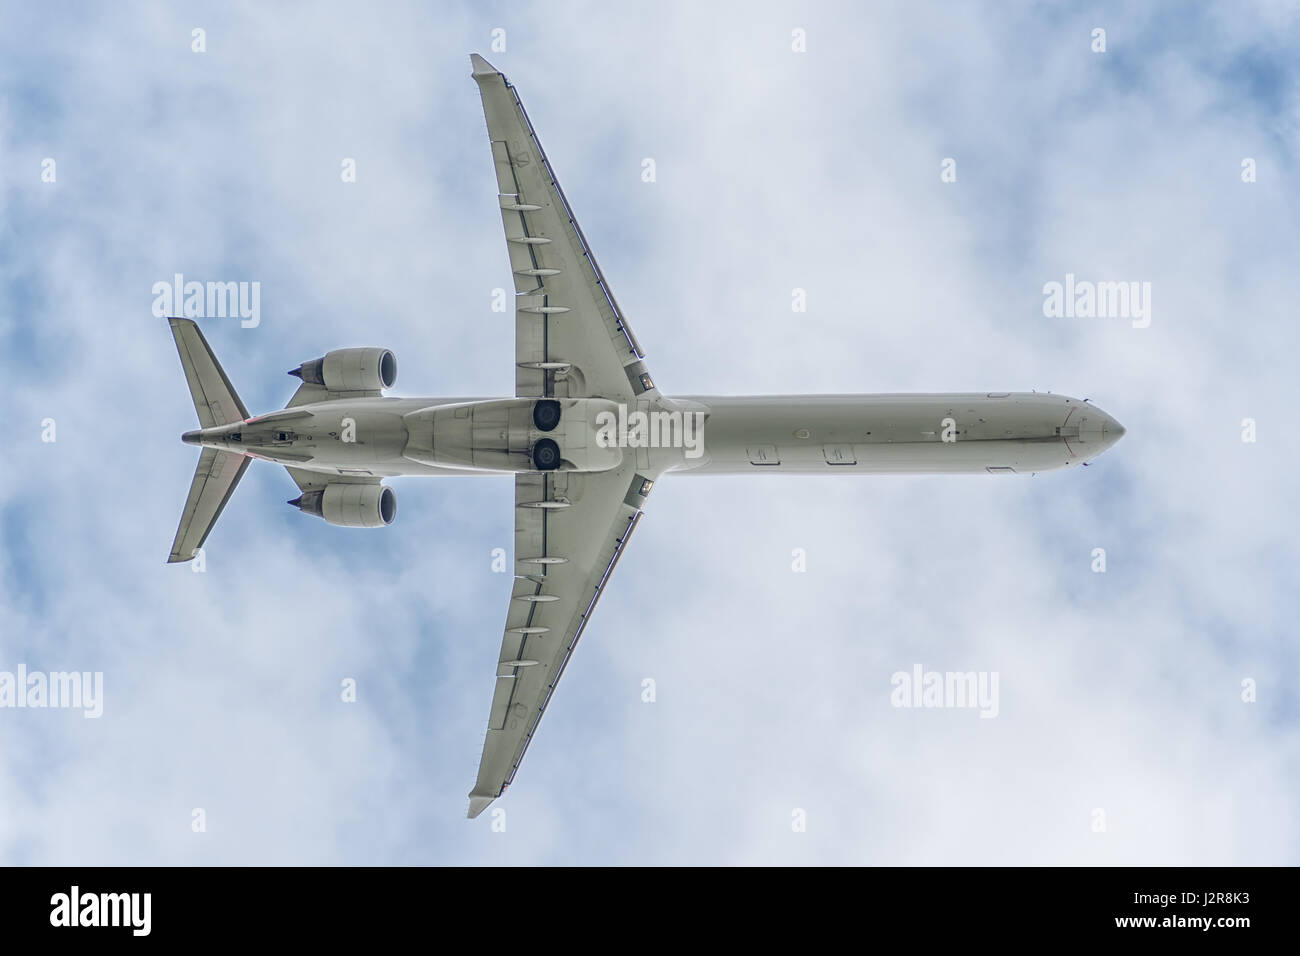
<point x="775" y="170"/>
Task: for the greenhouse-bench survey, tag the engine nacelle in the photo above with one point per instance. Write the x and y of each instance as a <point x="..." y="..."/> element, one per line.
<point x="350" y="505"/>
<point x="348" y="370"/>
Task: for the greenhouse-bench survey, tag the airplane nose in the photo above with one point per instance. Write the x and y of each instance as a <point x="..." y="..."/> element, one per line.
<point x="193" y="438"/>
<point x="1098" y="432"/>
<point x="1111" y="432"/>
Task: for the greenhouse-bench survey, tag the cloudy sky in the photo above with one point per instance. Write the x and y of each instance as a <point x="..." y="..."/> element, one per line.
<point x="1122" y="734"/>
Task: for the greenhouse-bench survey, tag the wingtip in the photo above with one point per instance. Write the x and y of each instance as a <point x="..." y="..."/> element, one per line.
<point x="481" y="67"/>
<point x="477" y="804"/>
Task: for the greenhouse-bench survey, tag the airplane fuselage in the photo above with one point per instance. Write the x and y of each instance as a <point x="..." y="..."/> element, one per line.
<point x="959" y="433"/>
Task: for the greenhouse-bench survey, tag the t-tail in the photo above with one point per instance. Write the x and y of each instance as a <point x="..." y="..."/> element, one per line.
<point x="218" y="471"/>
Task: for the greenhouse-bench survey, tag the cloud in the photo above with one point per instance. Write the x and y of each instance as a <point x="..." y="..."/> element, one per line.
<point x="1119" y="691"/>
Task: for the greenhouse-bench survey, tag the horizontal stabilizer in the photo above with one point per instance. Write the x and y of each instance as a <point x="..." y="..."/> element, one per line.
<point x="214" y="398"/>
<point x="214" y="482"/>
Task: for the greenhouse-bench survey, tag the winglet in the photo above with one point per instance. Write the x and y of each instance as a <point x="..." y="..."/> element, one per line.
<point x="481" y="66"/>
<point x="478" y="803"/>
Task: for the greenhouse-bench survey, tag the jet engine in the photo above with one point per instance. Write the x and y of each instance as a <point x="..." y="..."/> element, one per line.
<point x="350" y="505"/>
<point x="346" y="370"/>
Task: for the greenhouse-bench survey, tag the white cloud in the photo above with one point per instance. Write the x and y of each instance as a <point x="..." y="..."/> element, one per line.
<point x="776" y="170"/>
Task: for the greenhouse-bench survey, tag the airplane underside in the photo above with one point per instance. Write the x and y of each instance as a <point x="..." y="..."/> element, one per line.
<point x="993" y="433"/>
<point x="585" y="437"/>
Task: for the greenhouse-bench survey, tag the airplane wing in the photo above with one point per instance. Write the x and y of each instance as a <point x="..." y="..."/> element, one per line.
<point x="215" y="478"/>
<point x="570" y="529"/>
<point x="571" y="339"/>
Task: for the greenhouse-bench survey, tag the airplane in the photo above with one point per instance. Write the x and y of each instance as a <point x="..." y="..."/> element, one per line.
<point x="586" y="435"/>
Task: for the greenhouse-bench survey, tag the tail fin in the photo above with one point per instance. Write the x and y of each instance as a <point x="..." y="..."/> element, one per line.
<point x="218" y="471"/>
<point x="214" y="397"/>
<point x="214" y="482"/>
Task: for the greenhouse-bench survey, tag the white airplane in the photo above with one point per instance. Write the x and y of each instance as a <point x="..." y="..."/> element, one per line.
<point x="586" y="436"/>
